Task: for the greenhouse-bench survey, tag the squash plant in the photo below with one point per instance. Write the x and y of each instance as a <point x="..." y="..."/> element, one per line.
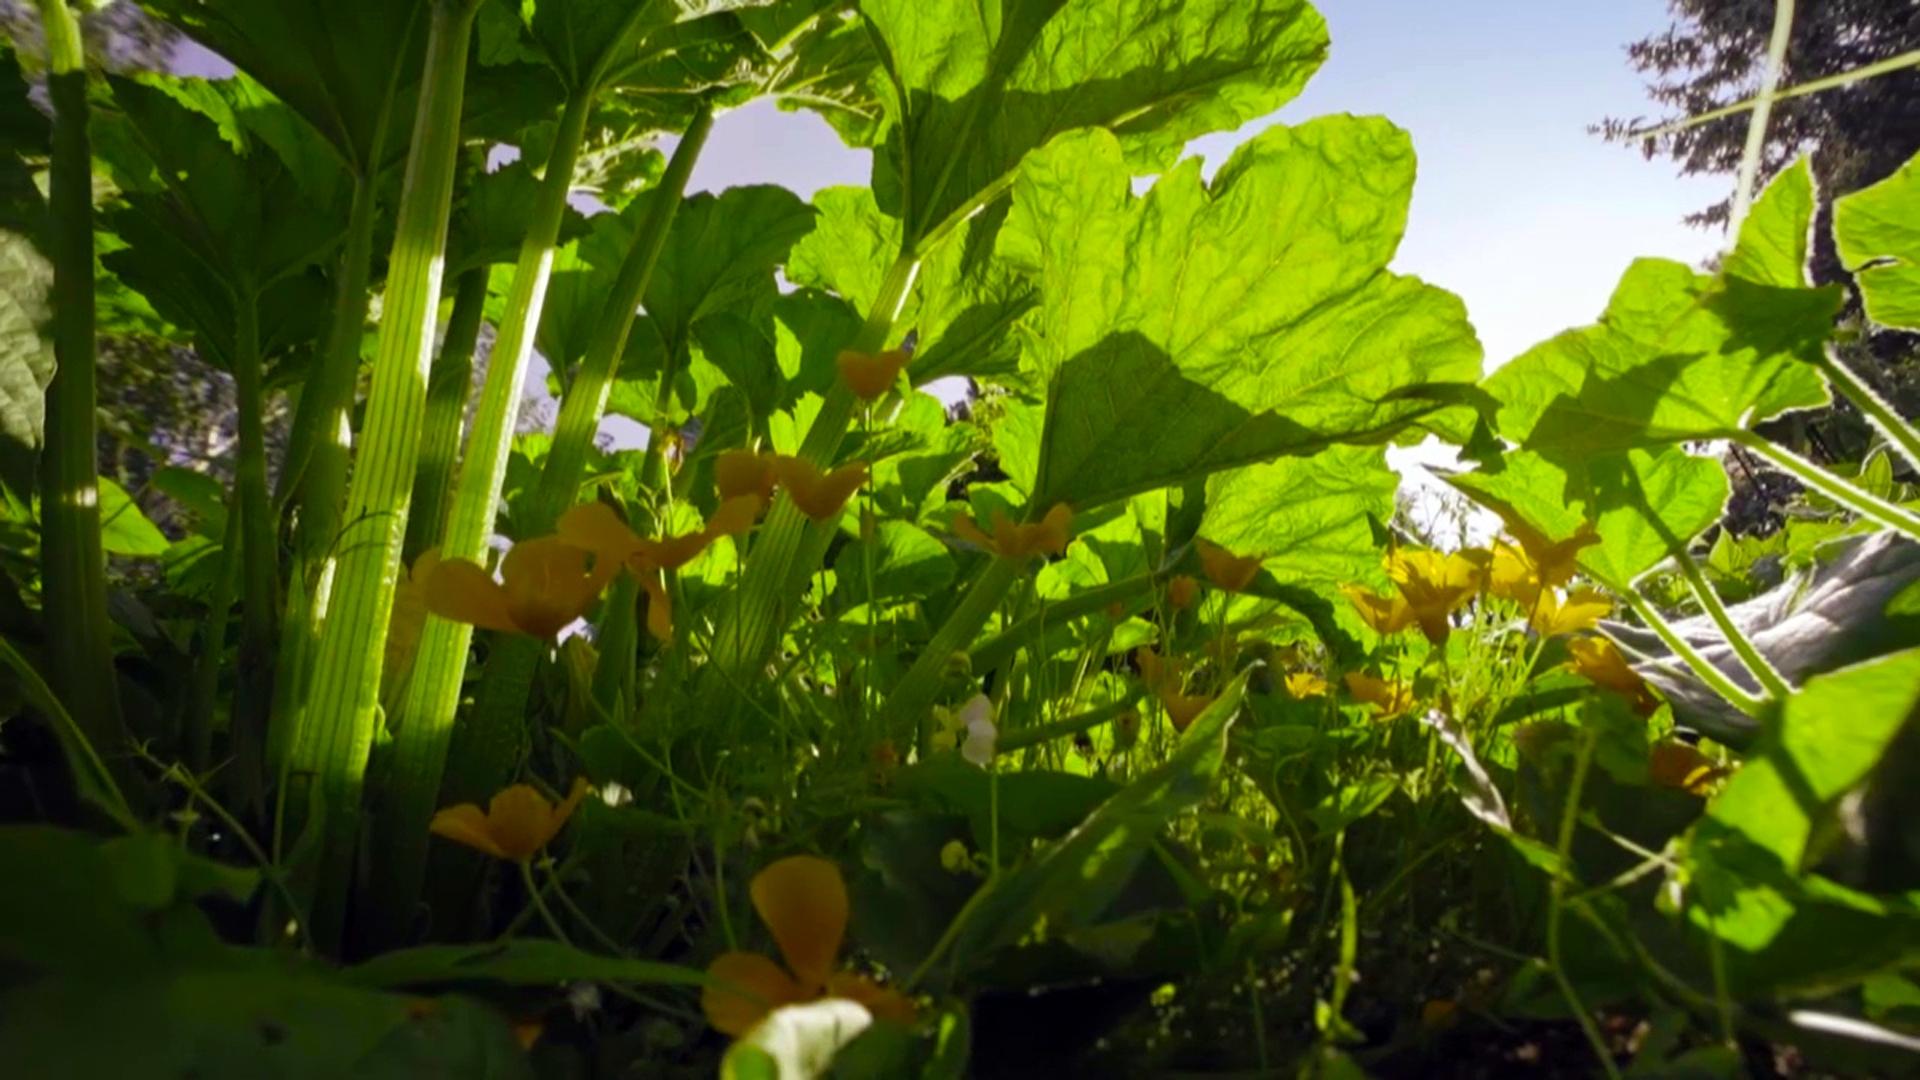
<point x="839" y="728"/>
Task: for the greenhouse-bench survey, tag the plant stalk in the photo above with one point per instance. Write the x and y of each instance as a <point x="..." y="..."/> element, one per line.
<point x="1867" y="505"/>
<point x="1764" y="672"/>
<point x="73" y="565"/>
<point x="338" y="729"/>
<point x="1709" y="674"/>
<point x="1875" y="408"/>
<point x="914" y="694"/>
<point x="259" y="557"/>
<point x="1748" y="177"/>
<point x="447" y="390"/>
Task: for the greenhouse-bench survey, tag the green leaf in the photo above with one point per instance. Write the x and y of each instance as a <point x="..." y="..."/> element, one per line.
<point x="490" y="220"/>
<point x="1076" y="878"/>
<point x="795" y="1042"/>
<point x="1774" y="238"/>
<point x="1032" y="804"/>
<point x="1178" y="342"/>
<point x="1309" y="516"/>
<point x="1832" y="733"/>
<point x="520" y="962"/>
<point x="1649" y="504"/>
<point x="26" y="357"/>
<point x="908" y="563"/>
<point x="976" y="88"/>
<point x="850" y="247"/>
<point x="124" y="530"/>
<point x="1878" y="233"/>
<point x="1677" y="356"/>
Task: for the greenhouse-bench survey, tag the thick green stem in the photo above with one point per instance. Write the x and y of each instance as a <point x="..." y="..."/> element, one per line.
<point x="914" y="694"/>
<point x="337" y="732"/>
<point x="491" y="740"/>
<point x="259" y="557"/>
<point x="788" y="545"/>
<point x="1874" y="407"/>
<point x="1869" y="506"/>
<point x="1763" y="670"/>
<point x="73" y="566"/>
<point x="447" y="390"/>
<point x="1730" y="691"/>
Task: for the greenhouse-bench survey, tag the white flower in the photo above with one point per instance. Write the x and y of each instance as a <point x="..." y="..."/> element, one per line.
<point x="977" y="714"/>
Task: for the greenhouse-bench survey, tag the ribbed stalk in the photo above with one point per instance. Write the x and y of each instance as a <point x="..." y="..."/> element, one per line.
<point x="1865" y="503"/>
<point x="447" y="389"/>
<point x="259" y="556"/>
<point x="315" y="468"/>
<point x="1875" y="408"/>
<point x="1771" y="681"/>
<point x="72" y="565"/>
<point x="777" y="568"/>
<point x="205" y="686"/>
<point x="338" y="729"/>
<point x="1730" y="692"/>
<point x="915" y="692"/>
<point x="490" y="741"/>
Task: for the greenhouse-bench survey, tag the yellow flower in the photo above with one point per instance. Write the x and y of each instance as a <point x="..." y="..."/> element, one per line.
<point x="1389" y="699"/>
<point x="871" y="375"/>
<point x="1434" y="584"/>
<point x="1581" y="610"/>
<point x="820" y="496"/>
<point x="743" y="472"/>
<point x="1675" y="764"/>
<point x="1305" y="684"/>
<point x="1388" y="615"/>
<point x="596" y="527"/>
<point x="1183" y="709"/>
<point x="1601" y="663"/>
<point x="1225" y="569"/>
<point x="1156" y="672"/>
<point x="1521" y="572"/>
<point x="1048" y="536"/>
<point x="518" y="822"/>
<point x="803" y="901"/>
<point x="544" y="585"/>
<point x="1182" y="591"/>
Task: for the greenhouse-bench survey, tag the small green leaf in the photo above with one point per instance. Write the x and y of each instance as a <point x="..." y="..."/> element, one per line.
<point x="1772" y="248"/>
<point x="124" y="530"/>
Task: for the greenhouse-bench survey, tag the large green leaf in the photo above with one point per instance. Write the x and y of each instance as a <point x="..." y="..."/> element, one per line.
<point x="720" y="256"/>
<point x="1308" y="516"/>
<point x="26" y="356"/>
<point x="1678" y="355"/>
<point x="1774" y="239"/>
<point x="337" y="63"/>
<point x="1878" y="232"/>
<point x="1077" y="878"/>
<point x="1177" y="341"/>
<point x="903" y="561"/>
<point x="975" y="87"/>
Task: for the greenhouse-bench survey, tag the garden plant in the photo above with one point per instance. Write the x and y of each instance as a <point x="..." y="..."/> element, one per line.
<point x="1111" y="722"/>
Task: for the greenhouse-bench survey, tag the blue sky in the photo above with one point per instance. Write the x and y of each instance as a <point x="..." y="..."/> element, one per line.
<point x="1520" y="211"/>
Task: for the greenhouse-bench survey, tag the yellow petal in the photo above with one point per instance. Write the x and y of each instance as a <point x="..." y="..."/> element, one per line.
<point x="1183" y="709"/>
<point x="1388" y="615"/>
<point x="1182" y="591"/>
<point x="1581" y="610"/>
<point x="597" y="527"/>
<point x="459" y="590"/>
<point x="567" y="806"/>
<point x="521" y="821"/>
<point x="743" y="472"/>
<point x="734" y="516"/>
<point x="819" y="495"/>
<point x="870" y="375"/>
<point x="883" y="1002"/>
<point x="465" y="824"/>
<point x="1227" y="570"/>
<point x="1050" y="536"/>
<point x="758" y="987"/>
<point x="674" y="552"/>
<point x="1305" y="684"/>
<point x="803" y="901"/>
<point x="659" y="606"/>
<point x="549" y="584"/>
<point x="1389" y="699"/>
<point x="967" y="529"/>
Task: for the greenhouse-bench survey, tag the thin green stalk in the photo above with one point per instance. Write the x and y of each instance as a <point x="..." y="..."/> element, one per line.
<point x="73" y="567"/>
<point x="213" y="646"/>
<point x="1748" y="176"/>
<point x="447" y="389"/>
<point x="1814" y="86"/>
<point x="1881" y="415"/>
<point x="337" y="732"/>
<point x="1008" y="742"/>
<point x="259" y="557"/>
<point x="1556" y="903"/>
<point x="490" y="742"/>
<point x="778" y="565"/>
<point x="1867" y="505"/>
<point x="996" y="649"/>
<point x="915" y="692"/>
<point x="1728" y="690"/>
<point x="1764" y="672"/>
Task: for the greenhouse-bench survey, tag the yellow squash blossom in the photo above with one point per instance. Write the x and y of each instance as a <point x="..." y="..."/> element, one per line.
<point x="1388" y="615"/>
<point x="1182" y="592"/>
<point x="1305" y="684"/>
<point x="1156" y="672"/>
<point x="819" y="495"/>
<point x="598" y="528"/>
<point x="1601" y="663"/>
<point x="1519" y="573"/>
<point x="803" y="901"/>
<point x="1225" y="569"/>
<point x="1674" y="764"/>
<point x="1389" y="699"/>
<point x="744" y="472"/>
<point x="1182" y="708"/>
<point x="1581" y="610"/>
<point x="518" y="821"/>
<point x="871" y="375"/>
<point x="545" y="584"/>
<point x="1048" y="536"/>
<point x="1434" y="584"/>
